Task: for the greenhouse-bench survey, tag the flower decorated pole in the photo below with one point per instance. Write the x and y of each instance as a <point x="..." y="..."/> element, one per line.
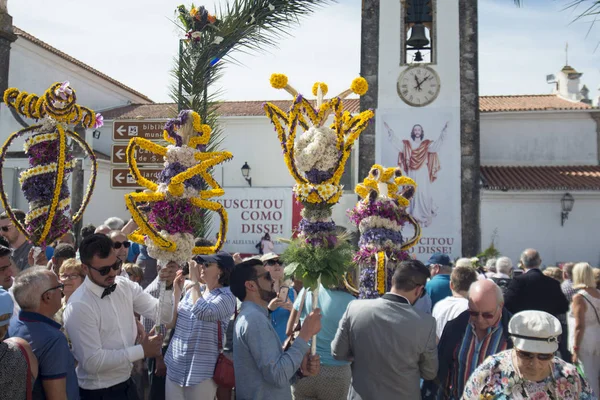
<point x="211" y="39"/>
<point x="380" y="217"/>
<point x="316" y="161"/>
<point x="45" y="182"/>
<point x="170" y="213"/>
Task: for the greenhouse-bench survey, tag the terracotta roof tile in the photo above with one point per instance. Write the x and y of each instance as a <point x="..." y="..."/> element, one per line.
<point x="254" y="108"/>
<point x="580" y="177"/>
<point x="33" y="39"/>
<point x="540" y="102"/>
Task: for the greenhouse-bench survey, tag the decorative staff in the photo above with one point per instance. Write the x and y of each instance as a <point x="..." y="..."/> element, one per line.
<point x="316" y="161"/>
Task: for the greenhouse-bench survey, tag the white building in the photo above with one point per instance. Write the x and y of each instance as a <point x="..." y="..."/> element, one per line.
<point x="534" y="150"/>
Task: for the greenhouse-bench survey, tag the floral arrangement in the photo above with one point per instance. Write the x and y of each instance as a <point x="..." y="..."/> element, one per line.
<point x="195" y="21"/>
<point x="177" y="201"/>
<point x="380" y="217"/>
<point x="316" y="161"/>
<point x="44" y="183"/>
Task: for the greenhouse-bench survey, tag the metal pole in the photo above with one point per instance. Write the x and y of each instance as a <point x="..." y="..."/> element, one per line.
<point x="180" y="83"/>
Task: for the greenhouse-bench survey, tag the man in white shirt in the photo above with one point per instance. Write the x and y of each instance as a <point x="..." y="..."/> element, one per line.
<point x="451" y="307"/>
<point x="100" y="323"/>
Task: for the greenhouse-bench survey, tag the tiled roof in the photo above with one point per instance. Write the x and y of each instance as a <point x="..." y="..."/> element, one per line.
<point x="539" y="102"/>
<point x="254" y="108"/>
<point x="33" y="39"/>
<point x="581" y="177"/>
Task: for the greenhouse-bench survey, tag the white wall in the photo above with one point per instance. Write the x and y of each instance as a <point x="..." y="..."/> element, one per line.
<point x="523" y="220"/>
<point x="532" y="138"/>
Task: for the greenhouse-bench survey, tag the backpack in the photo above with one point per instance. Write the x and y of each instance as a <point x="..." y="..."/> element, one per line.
<point x="502" y="282"/>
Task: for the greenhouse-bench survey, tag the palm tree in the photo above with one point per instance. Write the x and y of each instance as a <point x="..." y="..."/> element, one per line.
<point x="590" y="8"/>
<point x="212" y="41"/>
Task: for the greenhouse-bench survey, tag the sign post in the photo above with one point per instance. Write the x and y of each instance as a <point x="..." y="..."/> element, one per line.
<point x="121" y="179"/>
<point x="125" y="130"/>
<point x="118" y="155"/>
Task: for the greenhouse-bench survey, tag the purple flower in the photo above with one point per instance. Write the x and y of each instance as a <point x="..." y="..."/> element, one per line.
<point x="175" y="216"/>
<point x="379" y="236"/>
<point x="41" y="188"/>
<point x="99" y="121"/>
<point x="315" y="176"/>
<point x="311" y="228"/>
<point x="175" y="168"/>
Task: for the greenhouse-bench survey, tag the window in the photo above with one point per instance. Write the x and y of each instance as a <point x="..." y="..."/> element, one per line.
<point x="418" y="34"/>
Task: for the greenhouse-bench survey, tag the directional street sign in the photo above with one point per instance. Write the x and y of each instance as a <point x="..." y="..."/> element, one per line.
<point x="120" y="177"/>
<point x="119" y="155"/>
<point x="125" y="130"/>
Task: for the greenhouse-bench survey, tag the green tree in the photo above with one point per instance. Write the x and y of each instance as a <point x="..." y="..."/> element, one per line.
<point x="213" y="40"/>
<point x="587" y="8"/>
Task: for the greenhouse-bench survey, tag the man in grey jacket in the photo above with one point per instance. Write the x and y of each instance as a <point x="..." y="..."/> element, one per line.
<point x="391" y="344"/>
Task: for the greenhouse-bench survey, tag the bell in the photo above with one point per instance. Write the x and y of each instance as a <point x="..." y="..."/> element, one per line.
<point x="418" y="56"/>
<point x="417" y="39"/>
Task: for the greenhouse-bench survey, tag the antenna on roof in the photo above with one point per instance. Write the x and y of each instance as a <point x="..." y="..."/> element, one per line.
<point x="567" y="53"/>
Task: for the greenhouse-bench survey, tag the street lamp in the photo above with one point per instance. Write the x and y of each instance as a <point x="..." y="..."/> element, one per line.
<point x="246" y="173"/>
<point x="566" y="204"/>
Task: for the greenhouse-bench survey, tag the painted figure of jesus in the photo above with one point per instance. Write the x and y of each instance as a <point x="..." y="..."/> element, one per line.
<point x="419" y="160"/>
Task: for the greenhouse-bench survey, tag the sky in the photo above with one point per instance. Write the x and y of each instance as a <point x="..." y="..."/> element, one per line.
<point x="135" y="42"/>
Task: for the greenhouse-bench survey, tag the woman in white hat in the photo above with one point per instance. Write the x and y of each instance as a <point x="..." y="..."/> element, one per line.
<point x="529" y="370"/>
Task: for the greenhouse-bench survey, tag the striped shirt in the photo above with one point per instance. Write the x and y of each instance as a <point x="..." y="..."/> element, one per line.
<point x="568" y="290"/>
<point x="471" y="352"/>
<point x="193" y="351"/>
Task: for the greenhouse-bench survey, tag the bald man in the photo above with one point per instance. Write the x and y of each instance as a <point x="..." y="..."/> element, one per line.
<point x="470" y="338"/>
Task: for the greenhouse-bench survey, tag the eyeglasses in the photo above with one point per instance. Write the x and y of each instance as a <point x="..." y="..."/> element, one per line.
<point x="530" y="356"/>
<point x="486" y="315"/>
<point x="117" y="245"/>
<point x="105" y="270"/>
<point x="274" y="262"/>
<point x="70" y="277"/>
<point x="60" y="286"/>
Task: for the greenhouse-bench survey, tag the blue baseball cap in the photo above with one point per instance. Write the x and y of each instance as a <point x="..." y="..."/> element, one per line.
<point x="7" y="305"/>
<point x="439" y="258"/>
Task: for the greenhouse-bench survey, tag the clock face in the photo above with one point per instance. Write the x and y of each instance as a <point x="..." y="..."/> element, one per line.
<point x="418" y="86"/>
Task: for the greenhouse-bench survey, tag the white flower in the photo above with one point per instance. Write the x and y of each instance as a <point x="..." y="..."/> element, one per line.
<point x="184" y="155"/>
<point x="188" y="192"/>
<point x="196" y="35"/>
<point x="316" y="149"/>
<point x="185" y="245"/>
<point x="474" y="260"/>
<point x="218" y="40"/>
<point x="271" y="7"/>
<point x="375" y="221"/>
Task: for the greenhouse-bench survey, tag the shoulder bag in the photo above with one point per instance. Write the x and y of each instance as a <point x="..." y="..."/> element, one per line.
<point x="224" y="375"/>
<point x="297" y="325"/>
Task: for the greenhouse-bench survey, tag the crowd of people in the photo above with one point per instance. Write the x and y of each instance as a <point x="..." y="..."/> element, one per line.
<point x="102" y="320"/>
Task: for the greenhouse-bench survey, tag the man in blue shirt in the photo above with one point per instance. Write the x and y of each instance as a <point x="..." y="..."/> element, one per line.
<point x="438" y="287"/>
<point x="39" y="294"/>
<point x="262" y="369"/>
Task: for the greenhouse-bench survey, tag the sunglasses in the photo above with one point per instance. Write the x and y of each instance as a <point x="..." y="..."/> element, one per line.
<point x="70" y="277"/>
<point x="266" y="275"/>
<point x="5" y="228"/>
<point x="486" y="315"/>
<point x="117" y="245"/>
<point x="60" y="286"/>
<point x="530" y="356"/>
<point x="105" y="270"/>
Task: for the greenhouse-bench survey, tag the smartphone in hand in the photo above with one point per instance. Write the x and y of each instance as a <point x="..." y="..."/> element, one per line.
<point x="283" y="293"/>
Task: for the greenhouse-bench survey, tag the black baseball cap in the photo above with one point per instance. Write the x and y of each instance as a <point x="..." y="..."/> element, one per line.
<point x="222" y="258"/>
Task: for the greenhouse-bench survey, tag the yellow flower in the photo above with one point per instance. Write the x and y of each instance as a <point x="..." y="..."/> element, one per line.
<point x="324" y="88"/>
<point x="279" y="81"/>
<point x="359" y="86"/>
<point x="206" y="129"/>
<point x="193" y="11"/>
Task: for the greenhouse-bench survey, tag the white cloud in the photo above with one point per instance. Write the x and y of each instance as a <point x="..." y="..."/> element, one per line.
<point x="134" y="41"/>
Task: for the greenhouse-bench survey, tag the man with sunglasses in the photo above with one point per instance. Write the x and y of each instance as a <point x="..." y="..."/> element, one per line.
<point x="390" y="343"/>
<point x="39" y="294"/>
<point x="469" y="339"/>
<point x="262" y="369"/>
<point x="100" y="322"/>
<point x="18" y="242"/>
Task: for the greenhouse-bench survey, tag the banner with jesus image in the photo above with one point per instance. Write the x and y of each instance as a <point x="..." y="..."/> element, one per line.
<point x="425" y="144"/>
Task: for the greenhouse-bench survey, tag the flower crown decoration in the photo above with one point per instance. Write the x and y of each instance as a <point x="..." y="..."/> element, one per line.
<point x="195" y="21"/>
<point x="170" y="211"/>
<point x="44" y="183"/>
<point x="380" y="217"/>
<point x="316" y="161"/>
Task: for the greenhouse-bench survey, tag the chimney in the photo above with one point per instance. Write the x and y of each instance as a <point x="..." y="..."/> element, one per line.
<point x="568" y="84"/>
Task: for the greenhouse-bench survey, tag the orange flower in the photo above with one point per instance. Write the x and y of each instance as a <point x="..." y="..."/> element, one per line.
<point x="212" y="19"/>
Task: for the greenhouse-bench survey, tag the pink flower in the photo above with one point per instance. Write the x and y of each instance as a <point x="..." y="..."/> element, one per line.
<point x="64" y="91"/>
<point x="562" y="386"/>
<point x="539" y="396"/>
<point x="99" y="121"/>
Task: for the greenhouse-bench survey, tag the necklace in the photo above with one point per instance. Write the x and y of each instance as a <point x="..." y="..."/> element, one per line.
<point x="552" y="387"/>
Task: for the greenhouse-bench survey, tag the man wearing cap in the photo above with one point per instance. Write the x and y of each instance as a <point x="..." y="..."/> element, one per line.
<point x="203" y="313"/>
<point x="39" y="294"/>
<point x="391" y="345"/>
<point x="469" y="339"/>
<point x="530" y="370"/>
<point x="438" y="287"/>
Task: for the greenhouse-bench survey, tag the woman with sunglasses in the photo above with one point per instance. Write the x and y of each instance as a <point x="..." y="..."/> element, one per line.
<point x="529" y="370"/>
<point x="281" y="306"/>
<point x="71" y="275"/>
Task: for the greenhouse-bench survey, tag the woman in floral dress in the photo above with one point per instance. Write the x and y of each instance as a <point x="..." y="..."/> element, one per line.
<point x="529" y="370"/>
